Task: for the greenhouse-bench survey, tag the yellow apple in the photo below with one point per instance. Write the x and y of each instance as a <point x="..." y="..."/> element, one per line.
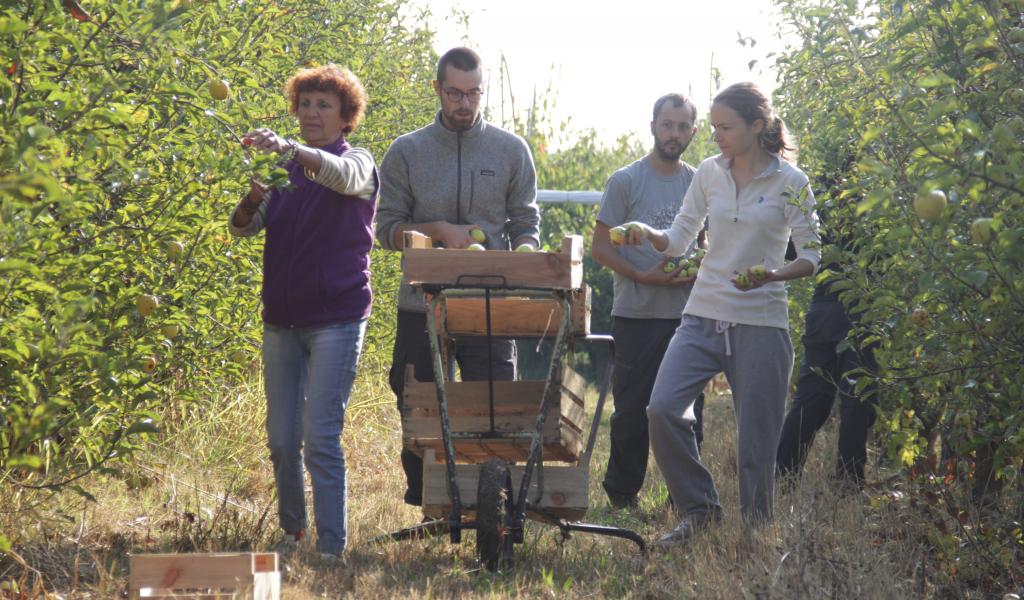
<point x="742" y="280"/>
<point x="929" y="206"/>
<point x="525" y="248"/>
<point x="617" y="235"/>
<point x="477" y="247"/>
<point x="758" y="272"/>
<point x="146" y="304"/>
<point x="919" y="317"/>
<point x="669" y="266"/>
<point x="692" y="271"/>
<point x="981" y="230"/>
<point x="148" y="363"/>
<point x="175" y="249"/>
<point x="478" y="235"/>
<point x="219" y="89"/>
<point x="169" y="331"/>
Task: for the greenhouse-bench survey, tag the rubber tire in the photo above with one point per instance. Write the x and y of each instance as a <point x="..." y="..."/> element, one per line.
<point x="493" y="513"/>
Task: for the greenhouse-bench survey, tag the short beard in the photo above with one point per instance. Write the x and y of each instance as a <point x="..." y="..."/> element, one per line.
<point x="669" y="156"/>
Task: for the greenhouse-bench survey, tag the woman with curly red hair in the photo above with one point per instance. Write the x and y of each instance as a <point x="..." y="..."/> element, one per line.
<point x="316" y="293"/>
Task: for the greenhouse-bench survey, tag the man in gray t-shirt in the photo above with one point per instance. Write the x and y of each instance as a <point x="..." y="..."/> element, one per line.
<point x="648" y="302"/>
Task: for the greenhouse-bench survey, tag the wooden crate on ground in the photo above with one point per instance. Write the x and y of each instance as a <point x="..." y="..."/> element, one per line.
<point x="213" y="575"/>
<point x="516" y="405"/>
<point x="565" y="493"/>
<point x="516" y="317"/>
<point x="422" y="264"/>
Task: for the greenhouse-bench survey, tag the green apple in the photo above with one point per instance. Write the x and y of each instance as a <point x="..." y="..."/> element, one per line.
<point x="169" y="331"/>
<point x="148" y="363"/>
<point x="525" y="248"/>
<point x="617" y="235"/>
<point x="919" y="317"/>
<point x="478" y="235"/>
<point x="929" y="206"/>
<point x="219" y="89"/>
<point x="146" y="304"/>
<point x="742" y="280"/>
<point x="175" y="249"/>
<point x="758" y="272"/>
<point x="981" y="230"/>
<point x="670" y="266"/>
<point x="692" y="271"/>
<point x="475" y="247"/>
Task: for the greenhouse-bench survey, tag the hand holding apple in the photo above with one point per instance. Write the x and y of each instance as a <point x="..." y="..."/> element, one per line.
<point x="265" y="140"/>
<point x="635" y="233"/>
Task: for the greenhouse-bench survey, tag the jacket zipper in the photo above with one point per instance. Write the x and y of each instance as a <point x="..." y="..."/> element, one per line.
<point x="458" y="179"/>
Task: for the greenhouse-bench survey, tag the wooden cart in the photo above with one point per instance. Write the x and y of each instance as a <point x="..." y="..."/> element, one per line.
<point x="499" y="452"/>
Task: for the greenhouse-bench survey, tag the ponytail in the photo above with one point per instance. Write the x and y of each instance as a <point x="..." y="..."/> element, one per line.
<point x="774" y="137"/>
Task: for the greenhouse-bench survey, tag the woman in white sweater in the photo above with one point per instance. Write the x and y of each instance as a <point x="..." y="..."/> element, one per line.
<point x="736" y="320"/>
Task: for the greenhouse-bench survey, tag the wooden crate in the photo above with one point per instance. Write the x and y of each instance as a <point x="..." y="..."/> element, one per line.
<point x="516" y="317"/>
<point x="516" y="405"/>
<point x="217" y="575"/>
<point x="423" y="264"/>
<point x="565" y="493"/>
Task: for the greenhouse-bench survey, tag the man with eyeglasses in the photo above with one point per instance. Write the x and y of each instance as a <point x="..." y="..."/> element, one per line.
<point x="647" y="303"/>
<point x="457" y="174"/>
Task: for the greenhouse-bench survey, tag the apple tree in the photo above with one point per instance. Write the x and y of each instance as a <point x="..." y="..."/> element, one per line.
<point x="909" y="117"/>
<point x="120" y="160"/>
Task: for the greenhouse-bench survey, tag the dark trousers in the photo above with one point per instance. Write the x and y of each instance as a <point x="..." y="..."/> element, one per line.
<point x="826" y="326"/>
<point x="640" y="345"/>
<point x="412" y="347"/>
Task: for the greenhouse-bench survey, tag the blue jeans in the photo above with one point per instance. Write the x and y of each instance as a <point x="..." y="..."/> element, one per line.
<point x="308" y="373"/>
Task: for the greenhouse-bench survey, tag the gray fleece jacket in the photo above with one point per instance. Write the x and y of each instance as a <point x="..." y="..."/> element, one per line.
<point x="484" y="176"/>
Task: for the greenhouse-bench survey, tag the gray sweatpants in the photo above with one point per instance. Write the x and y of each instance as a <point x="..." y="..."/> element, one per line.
<point x="757" y="362"/>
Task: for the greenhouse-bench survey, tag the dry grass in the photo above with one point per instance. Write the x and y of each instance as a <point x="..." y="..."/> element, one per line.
<point x="208" y="486"/>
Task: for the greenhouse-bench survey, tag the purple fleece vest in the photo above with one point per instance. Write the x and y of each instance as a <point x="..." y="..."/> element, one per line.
<point x="316" y="257"/>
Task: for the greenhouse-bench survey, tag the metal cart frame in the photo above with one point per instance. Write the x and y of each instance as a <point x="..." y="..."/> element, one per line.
<point x="501" y="511"/>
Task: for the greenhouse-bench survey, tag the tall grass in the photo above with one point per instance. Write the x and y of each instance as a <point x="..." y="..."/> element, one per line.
<point x="207" y="486"/>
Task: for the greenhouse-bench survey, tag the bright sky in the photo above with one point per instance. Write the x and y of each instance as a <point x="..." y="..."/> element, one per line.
<point x="609" y="61"/>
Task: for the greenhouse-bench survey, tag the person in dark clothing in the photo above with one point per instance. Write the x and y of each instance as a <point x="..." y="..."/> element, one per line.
<point x="830" y="368"/>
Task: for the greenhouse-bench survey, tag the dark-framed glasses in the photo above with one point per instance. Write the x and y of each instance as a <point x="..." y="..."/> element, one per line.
<point x="456" y="95"/>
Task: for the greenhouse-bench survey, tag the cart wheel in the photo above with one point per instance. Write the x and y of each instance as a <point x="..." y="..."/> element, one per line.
<point x="493" y="512"/>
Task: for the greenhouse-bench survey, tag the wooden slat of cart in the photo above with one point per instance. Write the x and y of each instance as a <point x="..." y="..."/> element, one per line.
<point x="565" y="488"/>
<point x="515" y="410"/>
<point x="516" y="317"/>
<point x="422" y="264"/>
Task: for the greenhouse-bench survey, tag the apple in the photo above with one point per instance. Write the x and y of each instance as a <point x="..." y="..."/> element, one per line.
<point x="239" y="357"/>
<point x="742" y="280"/>
<point x="669" y="267"/>
<point x="174" y="249"/>
<point x="617" y="235"/>
<point x="169" y="331"/>
<point x="148" y="363"/>
<point x="758" y="272"/>
<point x="146" y="304"/>
<point x="219" y="89"/>
<point x="929" y="206"/>
<point x="981" y="230"/>
<point x="247" y="141"/>
<point x="525" y="248"/>
<point x="692" y="271"/>
<point x="478" y="235"/>
<point x="475" y="247"/>
<point x="919" y="317"/>
<point x="699" y="254"/>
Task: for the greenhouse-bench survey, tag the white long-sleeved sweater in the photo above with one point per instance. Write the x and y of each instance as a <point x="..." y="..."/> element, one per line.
<point x="747" y="229"/>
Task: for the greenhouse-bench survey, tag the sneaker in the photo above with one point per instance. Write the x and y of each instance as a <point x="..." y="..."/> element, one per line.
<point x="288" y="543"/>
<point x="677" y="537"/>
<point x="332" y="560"/>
